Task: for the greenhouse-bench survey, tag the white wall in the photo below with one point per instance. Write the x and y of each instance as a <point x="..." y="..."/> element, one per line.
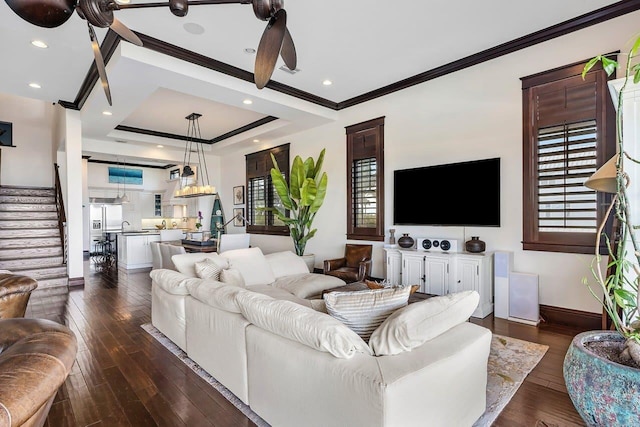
<point x="32" y="133"/>
<point x="472" y="114"/>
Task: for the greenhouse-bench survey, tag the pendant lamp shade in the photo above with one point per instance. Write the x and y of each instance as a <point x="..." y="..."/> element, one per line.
<point x="604" y="179"/>
<point x="194" y="183"/>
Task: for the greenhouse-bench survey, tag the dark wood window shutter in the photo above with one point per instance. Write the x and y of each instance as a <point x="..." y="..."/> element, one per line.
<point x="261" y="192"/>
<point x="569" y="131"/>
<point x="365" y="185"/>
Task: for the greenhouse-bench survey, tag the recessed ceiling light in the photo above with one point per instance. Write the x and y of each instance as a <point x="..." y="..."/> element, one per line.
<point x="256" y="140"/>
<point x="123" y="1"/>
<point x="40" y="44"/>
<point x="107" y="113"/>
<point x="160" y="146"/>
<point x="247" y="102"/>
<point x="249" y="50"/>
<point x="327" y="82"/>
<point x="193" y="28"/>
<point x="35" y="85"/>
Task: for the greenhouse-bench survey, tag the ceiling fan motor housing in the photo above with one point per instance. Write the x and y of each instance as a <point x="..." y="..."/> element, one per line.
<point x="265" y="9"/>
<point x="179" y="7"/>
<point x="97" y="12"/>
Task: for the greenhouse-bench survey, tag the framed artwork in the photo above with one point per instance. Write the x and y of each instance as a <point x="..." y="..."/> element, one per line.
<point x="125" y="176"/>
<point x="6" y="137"/>
<point x="238" y="217"/>
<point x="238" y="195"/>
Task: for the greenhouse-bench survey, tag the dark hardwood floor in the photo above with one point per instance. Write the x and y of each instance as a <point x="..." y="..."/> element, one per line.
<point x="123" y="377"/>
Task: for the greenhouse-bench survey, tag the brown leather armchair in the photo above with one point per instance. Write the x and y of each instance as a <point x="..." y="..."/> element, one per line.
<point x="36" y="356"/>
<point x="355" y="266"/>
<point x="15" y="291"/>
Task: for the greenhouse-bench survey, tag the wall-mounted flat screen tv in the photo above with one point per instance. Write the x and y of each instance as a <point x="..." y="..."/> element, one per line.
<point x="454" y="194"/>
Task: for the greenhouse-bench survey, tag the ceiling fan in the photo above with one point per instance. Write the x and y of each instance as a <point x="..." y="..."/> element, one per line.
<point x="276" y="39"/>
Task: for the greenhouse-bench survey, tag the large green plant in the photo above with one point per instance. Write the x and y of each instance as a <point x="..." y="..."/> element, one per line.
<point x="619" y="283"/>
<point x="301" y="198"/>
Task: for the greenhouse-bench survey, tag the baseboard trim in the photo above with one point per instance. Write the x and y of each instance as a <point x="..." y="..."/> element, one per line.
<point x="567" y="317"/>
<point x="76" y="281"/>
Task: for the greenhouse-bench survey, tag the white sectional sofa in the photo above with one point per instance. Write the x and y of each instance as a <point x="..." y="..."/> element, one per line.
<point x="270" y="343"/>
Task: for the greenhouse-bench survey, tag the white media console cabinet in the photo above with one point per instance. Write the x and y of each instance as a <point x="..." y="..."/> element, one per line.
<point x="442" y="273"/>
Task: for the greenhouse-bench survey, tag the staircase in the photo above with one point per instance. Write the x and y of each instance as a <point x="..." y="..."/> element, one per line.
<point x="30" y="241"/>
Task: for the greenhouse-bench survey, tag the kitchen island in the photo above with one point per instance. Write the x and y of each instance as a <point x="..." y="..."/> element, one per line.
<point x="134" y="248"/>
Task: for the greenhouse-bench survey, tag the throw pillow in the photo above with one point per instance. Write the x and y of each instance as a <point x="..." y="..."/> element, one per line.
<point x="185" y="263"/>
<point x="422" y="321"/>
<point x="286" y="263"/>
<point x="208" y="269"/>
<point x="231" y="276"/>
<point x="301" y="324"/>
<point x="364" y="311"/>
<point x="252" y="265"/>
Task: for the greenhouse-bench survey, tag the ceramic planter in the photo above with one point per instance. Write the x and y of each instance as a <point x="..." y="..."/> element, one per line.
<point x="604" y="393"/>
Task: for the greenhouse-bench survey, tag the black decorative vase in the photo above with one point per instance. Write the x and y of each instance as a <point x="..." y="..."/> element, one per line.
<point x="475" y="245"/>
<point x="406" y="241"/>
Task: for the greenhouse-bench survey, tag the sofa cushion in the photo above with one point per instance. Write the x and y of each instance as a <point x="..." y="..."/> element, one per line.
<point x="215" y="294"/>
<point x="286" y="263"/>
<point x="207" y="269"/>
<point x="364" y="311"/>
<point x="170" y="281"/>
<point x="307" y="285"/>
<point x="185" y="263"/>
<point x="301" y="324"/>
<point x="252" y="265"/>
<point x="280" y="294"/>
<point x="232" y="276"/>
<point x="422" y="321"/>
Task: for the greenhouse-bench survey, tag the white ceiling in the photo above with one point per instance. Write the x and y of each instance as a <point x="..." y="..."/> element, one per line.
<point x="361" y="45"/>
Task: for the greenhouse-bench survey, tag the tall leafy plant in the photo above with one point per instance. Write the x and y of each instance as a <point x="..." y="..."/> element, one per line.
<point x="301" y="198"/>
<point x="619" y="284"/>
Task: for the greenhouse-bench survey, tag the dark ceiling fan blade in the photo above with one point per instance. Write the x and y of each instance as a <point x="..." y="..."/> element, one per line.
<point x="269" y="48"/>
<point x="288" y="51"/>
<point x="124" y="32"/>
<point x="43" y="13"/>
<point x="102" y="72"/>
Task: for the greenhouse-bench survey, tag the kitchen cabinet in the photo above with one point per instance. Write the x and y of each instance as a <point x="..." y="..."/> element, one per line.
<point x="150" y="205"/>
<point x="134" y="251"/>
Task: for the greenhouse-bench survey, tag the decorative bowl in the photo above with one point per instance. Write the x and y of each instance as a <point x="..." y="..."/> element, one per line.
<point x="371" y="284"/>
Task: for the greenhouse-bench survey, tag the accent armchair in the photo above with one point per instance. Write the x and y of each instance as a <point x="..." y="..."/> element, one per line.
<point x="36" y="356"/>
<point x="15" y="291"/>
<point x="355" y="266"/>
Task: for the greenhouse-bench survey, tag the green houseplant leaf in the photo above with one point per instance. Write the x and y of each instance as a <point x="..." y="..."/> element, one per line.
<point x="301" y="198"/>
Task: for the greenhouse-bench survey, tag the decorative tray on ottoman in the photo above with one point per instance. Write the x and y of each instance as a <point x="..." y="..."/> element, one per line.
<point x="199" y="243"/>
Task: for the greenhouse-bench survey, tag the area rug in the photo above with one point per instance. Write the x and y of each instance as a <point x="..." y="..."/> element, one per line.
<point x="510" y="361"/>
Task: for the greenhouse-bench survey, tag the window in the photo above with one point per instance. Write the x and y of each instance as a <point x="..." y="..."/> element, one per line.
<point x="365" y="185"/>
<point x="261" y="193"/>
<point x="569" y="131"/>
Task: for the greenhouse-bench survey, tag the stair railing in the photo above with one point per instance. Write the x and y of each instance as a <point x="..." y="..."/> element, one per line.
<point x="62" y="216"/>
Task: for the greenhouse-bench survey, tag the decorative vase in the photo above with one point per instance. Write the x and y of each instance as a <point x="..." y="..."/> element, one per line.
<point x="475" y="245"/>
<point x="605" y="393"/>
<point x="406" y="241"/>
<point x="392" y="237"/>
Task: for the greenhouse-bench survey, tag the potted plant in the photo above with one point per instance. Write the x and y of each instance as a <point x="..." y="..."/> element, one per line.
<point x="602" y="368"/>
<point x="300" y="198"/>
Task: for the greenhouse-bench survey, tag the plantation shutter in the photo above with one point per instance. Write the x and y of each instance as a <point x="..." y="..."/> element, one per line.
<point x="568" y="135"/>
<point x="366" y="180"/>
<point x="261" y="192"/>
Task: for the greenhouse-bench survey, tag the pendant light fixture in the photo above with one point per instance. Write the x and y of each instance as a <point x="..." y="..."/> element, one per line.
<point x="118" y="199"/>
<point x="194" y="183"/>
<point x="125" y="198"/>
